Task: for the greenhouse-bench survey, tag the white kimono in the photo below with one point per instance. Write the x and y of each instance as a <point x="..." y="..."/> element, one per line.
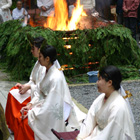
<point x="5" y="13"/>
<point x="108" y="120"/>
<point x="36" y="76"/>
<point x="49" y="4"/>
<point x="49" y="113"/>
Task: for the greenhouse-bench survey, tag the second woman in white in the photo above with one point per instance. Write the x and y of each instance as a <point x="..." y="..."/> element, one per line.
<point x="50" y="112"/>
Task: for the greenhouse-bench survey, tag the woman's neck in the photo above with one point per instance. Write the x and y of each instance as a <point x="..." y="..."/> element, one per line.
<point x="109" y="92"/>
<point x="48" y="67"/>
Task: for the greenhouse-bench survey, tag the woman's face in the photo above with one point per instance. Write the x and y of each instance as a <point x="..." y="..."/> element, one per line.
<point x="35" y="51"/>
<point x="43" y="61"/>
<point x="102" y="85"/>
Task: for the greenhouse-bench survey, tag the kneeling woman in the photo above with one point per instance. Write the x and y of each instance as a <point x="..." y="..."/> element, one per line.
<point x="55" y="98"/>
<point x="21" y="94"/>
<point x="108" y="118"/>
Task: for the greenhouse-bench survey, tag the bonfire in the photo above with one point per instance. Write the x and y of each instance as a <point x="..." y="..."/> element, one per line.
<point x="62" y="22"/>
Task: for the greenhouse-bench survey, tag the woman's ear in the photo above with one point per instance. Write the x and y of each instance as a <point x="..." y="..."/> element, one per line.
<point x="47" y="59"/>
<point x="110" y="82"/>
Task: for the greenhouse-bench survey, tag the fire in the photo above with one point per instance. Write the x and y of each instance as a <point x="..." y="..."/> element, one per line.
<point x="76" y="16"/>
<point x="61" y="20"/>
<point x="31" y="22"/>
<point x="67" y="46"/>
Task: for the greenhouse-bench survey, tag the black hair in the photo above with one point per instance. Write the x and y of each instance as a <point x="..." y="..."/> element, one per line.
<point x="49" y="51"/>
<point x="111" y="73"/>
<point x="37" y="42"/>
<point x="19" y="1"/>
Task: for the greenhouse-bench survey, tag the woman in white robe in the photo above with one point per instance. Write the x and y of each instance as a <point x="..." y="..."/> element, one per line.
<point x="20" y="94"/>
<point x="55" y="107"/>
<point x="5" y="13"/>
<point x="108" y="117"/>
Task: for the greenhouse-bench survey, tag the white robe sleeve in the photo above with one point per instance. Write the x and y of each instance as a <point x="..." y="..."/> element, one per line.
<point x="35" y="94"/>
<point x="33" y="83"/>
<point x="122" y="92"/>
<point x="36" y="77"/>
<point x="33" y="87"/>
<point x="49" y="4"/>
<point x="8" y="5"/>
<point x="114" y="130"/>
<point x="86" y="127"/>
<point x="49" y="115"/>
<point x="39" y="3"/>
<point x="93" y="3"/>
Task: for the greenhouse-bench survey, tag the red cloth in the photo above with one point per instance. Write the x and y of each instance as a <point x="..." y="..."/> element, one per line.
<point x="132" y="7"/>
<point x="14" y="122"/>
<point x="24" y="131"/>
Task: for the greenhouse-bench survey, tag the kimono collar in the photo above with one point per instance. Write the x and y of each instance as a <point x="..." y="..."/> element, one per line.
<point x="51" y="68"/>
<point x="112" y="96"/>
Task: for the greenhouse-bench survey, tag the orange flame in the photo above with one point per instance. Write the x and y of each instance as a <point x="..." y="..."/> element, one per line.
<point x="31" y="23"/>
<point x="76" y="16"/>
<point x="61" y="20"/>
<point x="67" y="46"/>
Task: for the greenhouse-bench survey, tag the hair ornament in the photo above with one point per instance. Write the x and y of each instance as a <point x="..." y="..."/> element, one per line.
<point x="62" y="68"/>
<point x="128" y="94"/>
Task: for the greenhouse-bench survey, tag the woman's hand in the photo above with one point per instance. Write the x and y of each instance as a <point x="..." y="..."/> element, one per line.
<point x="24" y="111"/>
<point x="18" y="85"/>
<point x="43" y="8"/>
<point x="23" y="89"/>
<point x="126" y="10"/>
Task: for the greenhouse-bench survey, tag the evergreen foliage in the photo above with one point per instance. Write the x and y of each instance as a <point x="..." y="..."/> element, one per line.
<point x="111" y="45"/>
